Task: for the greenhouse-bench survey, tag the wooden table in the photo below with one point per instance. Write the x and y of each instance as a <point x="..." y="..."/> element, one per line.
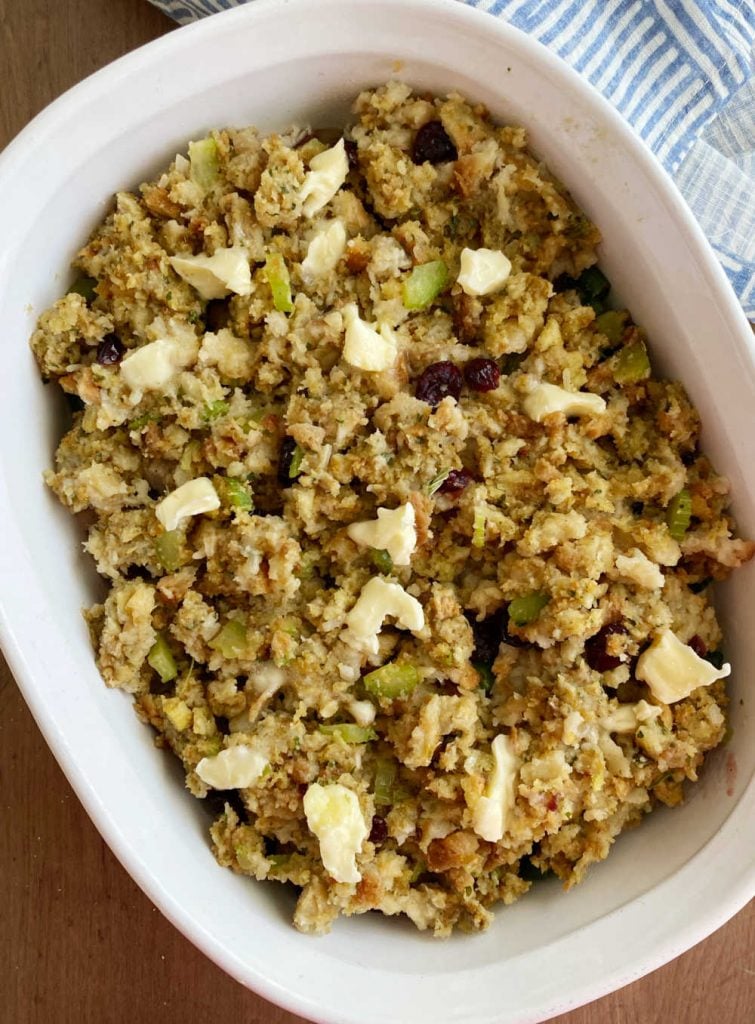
<point x="79" y="942"/>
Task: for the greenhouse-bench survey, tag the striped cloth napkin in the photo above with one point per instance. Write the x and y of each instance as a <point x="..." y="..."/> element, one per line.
<point x="682" y="74"/>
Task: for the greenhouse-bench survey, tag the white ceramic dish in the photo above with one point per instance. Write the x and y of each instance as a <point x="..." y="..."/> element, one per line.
<point x="666" y="885"/>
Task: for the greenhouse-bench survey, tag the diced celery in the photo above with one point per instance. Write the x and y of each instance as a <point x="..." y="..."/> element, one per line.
<point x="424" y="284"/>
<point x="205" y="162"/>
<point x="485" y="672"/>
<point x="612" y="323"/>
<point x="593" y="287"/>
<point x="161" y="659"/>
<point x="297" y="458"/>
<point x="169" y="548"/>
<point x="679" y="514"/>
<point x="437" y="481"/>
<point x="631" y="364"/>
<point x="525" y="609"/>
<point x="84" y="286"/>
<point x="401" y="792"/>
<point x="417" y="871"/>
<point x="478" y="526"/>
<point x="231" y="639"/>
<point x="349" y="732"/>
<point x="385" y="778"/>
<point x="391" y="680"/>
<point x="214" y="410"/>
<point x="237" y="494"/>
<point x="276" y="273"/>
<point x="381" y="560"/>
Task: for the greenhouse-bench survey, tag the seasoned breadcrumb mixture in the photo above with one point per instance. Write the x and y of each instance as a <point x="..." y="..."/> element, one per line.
<point x="408" y="551"/>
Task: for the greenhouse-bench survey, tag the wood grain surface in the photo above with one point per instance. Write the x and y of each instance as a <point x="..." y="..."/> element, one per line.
<point x="79" y="942"/>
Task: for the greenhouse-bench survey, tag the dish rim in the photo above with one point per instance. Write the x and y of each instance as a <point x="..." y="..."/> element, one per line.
<point x="102" y="82"/>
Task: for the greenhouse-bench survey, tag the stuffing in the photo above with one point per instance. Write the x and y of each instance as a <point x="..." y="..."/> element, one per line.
<point x="407" y="549"/>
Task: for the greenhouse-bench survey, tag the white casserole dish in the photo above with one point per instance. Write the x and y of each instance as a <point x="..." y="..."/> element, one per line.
<point x="666" y="885"/>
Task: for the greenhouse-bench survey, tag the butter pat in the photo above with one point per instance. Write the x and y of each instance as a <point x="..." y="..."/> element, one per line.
<point x="549" y="398"/>
<point x="152" y="367"/>
<point x="190" y="499"/>
<point x="367" y="347"/>
<point x="327" y="173"/>
<point x="483" y="271"/>
<point x="628" y="717"/>
<point x="377" y="601"/>
<point x="234" y="768"/>
<point x="491" y="812"/>
<point x="637" y="567"/>
<point x="672" y="670"/>
<point x="334" y="816"/>
<point x="324" y="251"/>
<point x="393" y="531"/>
<point x="227" y="270"/>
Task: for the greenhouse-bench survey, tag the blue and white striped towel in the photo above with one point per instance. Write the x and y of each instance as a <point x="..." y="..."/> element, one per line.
<point x="680" y="71"/>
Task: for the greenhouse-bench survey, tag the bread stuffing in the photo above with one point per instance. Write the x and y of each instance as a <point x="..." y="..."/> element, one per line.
<point x="408" y="551"/>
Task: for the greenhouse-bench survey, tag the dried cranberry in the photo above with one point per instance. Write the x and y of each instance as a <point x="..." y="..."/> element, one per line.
<point x="455" y="482"/>
<point x="433" y="144"/>
<point x="351" y="153"/>
<point x="491" y="633"/>
<point x="379" y="830"/>
<point x="110" y="350"/>
<point x="482" y="374"/>
<point x="438" y="381"/>
<point x="285" y="459"/>
<point x="698" y="646"/>
<point x="596" y="654"/>
<point x="488" y="635"/>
